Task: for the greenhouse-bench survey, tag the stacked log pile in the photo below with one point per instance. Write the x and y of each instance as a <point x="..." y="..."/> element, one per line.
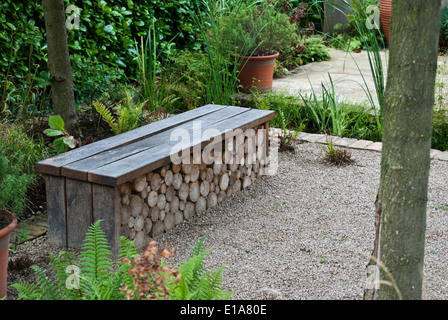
<point x="158" y="201"/>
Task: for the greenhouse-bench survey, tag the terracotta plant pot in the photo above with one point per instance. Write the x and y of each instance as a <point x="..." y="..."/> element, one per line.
<point x="8" y="222"/>
<point x="257" y="71"/>
<point x="385" y="13"/>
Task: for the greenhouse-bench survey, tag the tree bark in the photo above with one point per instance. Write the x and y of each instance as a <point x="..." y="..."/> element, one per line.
<point x="407" y="125"/>
<point x="59" y="64"/>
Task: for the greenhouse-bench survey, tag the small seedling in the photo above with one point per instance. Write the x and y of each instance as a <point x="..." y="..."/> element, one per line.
<point x="288" y="137"/>
<point x="337" y="156"/>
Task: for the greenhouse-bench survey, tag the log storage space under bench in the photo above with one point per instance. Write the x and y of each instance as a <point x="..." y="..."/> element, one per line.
<point x="144" y="182"/>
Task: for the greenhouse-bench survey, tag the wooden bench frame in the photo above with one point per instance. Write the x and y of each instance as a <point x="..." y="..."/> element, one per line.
<point x="98" y="181"/>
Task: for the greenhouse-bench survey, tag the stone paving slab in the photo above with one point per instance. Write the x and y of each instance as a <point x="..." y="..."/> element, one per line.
<point x="360" y="144"/>
<point x="344" y="142"/>
<point x="376" y="146"/>
<point x="325" y="139"/>
<point x="32" y="228"/>
<point x="442" y="156"/>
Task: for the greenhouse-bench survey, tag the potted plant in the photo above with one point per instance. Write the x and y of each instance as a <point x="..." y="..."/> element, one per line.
<point x="8" y="222"/>
<point x="385" y="14"/>
<point x="257" y="35"/>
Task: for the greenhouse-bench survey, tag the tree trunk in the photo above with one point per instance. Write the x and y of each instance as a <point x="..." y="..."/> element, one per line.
<point x="59" y="64"/>
<point x="402" y="197"/>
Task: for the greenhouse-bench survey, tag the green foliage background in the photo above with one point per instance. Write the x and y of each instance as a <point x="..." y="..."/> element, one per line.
<point x="107" y="34"/>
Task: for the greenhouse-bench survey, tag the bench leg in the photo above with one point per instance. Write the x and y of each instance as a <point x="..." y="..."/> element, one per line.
<point x="57" y="223"/>
<point x="79" y="211"/>
<point x="106" y="207"/>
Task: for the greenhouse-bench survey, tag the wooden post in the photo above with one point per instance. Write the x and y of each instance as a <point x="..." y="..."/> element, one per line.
<point x="106" y="204"/>
<point x="57" y="219"/>
<point x="79" y="211"/>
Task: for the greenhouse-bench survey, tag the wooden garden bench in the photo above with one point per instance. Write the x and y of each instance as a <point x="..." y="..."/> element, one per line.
<point x="131" y="182"/>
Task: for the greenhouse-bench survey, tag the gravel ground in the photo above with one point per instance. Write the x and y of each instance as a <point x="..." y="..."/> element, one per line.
<point x="302" y="234"/>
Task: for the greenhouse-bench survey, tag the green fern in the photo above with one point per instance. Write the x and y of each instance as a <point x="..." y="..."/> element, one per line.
<point x="107" y="116"/>
<point x="96" y="251"/>
<point x="97" y="281"/>
<point x="27" y="291"/>
<point x="128" y="114"/>
<point x="197" y="283"/>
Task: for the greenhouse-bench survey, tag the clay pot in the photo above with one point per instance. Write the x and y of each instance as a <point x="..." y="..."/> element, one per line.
<point x="4" y="247"/>
<point x="257" y="71"/>
<point x="385" y="13"/>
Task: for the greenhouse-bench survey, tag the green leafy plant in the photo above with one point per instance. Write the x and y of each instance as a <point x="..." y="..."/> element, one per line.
<point x="93" y="280"/>
<point x="345" y="42"/>
<point x="94" y="78"/>
<point x="287" y="136"/>
<point x="212" y="18"/>
<point x="328" y="113"/>
<point x="127" y="112"/>
<point x="261" y="29"/>
<point x="137" y="276"/>
<point x="315" y="49"/>
<point x="192" y="70"/>
<point x="156" y="86"/>
<point x="14" y="185"/>
<point x="65" y="141"/>
<point x="197" y="283"/>
<point x="439" y="135"/>
<point x="22" y="150"/>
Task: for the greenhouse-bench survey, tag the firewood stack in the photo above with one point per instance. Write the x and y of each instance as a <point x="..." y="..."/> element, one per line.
<point x="159" y="200"/>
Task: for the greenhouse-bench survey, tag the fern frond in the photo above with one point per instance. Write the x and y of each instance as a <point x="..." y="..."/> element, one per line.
<point x="213" y="284"/>
<point x="60" y="265"/>
<point x="95" y="257"/>
<point x="199" y="247"/>
<point x="196" y="283"/>
<point x="127" y="248"/>
<point x="46" y="288"/>
<point x="27" y="291"/>
<point x="107" y="116"/>
<point x="180" y="291"/>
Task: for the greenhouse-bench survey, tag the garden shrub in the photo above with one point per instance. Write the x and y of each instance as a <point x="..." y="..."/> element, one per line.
<point x="315" y="50"/>
<point x="13" y="185"/>
<point x="18" y="155"/>
<point x="101" y="50"/>
<point x="21" y="150"/>
<point x="191" y="67"/>
<point x="439" y="139"/>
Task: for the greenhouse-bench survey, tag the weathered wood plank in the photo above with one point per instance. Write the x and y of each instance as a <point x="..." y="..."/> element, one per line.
<point x="106" y="207"/>
<point x="55" y="189"/>
<point x="133" y="166"/>
<point x="80" y="169"/>
<point x="53" y="165"/>
<point x="79" y="211"/>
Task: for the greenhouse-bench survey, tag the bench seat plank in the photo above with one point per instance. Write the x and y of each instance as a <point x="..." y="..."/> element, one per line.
<point x="80" y="169"/>
<point x="124" y="170"/>
<point x="53" y="165"/>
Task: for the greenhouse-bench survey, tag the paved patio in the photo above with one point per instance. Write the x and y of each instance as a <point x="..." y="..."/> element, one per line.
<point x="350" y="73"/>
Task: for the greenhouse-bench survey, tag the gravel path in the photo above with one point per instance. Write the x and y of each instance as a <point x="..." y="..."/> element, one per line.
<point x="304" y="233"/>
